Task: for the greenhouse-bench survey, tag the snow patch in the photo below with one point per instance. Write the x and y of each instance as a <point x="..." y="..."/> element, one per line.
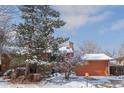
<point x="96" y="57"/>
<point x="74" y="82"/>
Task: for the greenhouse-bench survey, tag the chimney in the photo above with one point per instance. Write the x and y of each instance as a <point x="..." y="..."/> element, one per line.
<point x="70" y="45"/>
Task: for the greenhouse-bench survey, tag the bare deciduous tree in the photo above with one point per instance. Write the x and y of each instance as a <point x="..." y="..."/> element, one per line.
<point x="6" y="16"/>
<point x="89" y="47"/>
<point x="7" y="13"/>
<point x="2" y="40"/>
<point x="110" y="53"/>
<point x="121" y="50"/>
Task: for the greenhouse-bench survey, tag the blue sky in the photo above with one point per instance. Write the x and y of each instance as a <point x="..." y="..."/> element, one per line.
<point x="101" y="24"/>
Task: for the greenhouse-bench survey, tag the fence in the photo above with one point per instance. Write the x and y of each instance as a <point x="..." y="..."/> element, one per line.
<point x="117" y="70"/>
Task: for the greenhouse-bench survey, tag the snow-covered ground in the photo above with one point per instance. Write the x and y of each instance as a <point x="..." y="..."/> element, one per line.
<point x="73" y="82"/>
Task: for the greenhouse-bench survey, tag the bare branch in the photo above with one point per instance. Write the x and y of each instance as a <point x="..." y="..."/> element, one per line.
<point x="89" y="47"/>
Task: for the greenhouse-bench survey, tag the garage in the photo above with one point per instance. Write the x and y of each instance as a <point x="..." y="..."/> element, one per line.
<point x="93" y="65"/>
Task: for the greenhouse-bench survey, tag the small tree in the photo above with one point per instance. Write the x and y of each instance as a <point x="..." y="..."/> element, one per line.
<point x="77" y="57"/>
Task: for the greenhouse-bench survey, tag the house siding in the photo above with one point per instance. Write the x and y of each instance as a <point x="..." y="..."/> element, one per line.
<point x="93" y="68"/>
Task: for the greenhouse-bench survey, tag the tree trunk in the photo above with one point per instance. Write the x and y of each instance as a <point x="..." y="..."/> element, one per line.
<point x="0" y="59"/>
<point x="27" y="71"/>
<point x="0" y="62"/>
<point x="67" y="73"/>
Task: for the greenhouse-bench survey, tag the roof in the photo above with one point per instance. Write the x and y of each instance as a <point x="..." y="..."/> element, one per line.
<point x="65" y="49"/>
<point x="96" y="57"/>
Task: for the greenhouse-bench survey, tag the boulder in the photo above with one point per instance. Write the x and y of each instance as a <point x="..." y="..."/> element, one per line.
<point x="36" y="77"/>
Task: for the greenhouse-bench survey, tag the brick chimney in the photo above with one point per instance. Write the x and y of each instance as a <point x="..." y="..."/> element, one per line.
<point x="70" y="45"/>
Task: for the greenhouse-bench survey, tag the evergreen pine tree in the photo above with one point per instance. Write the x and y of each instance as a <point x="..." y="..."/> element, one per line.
<point x="36" y="32"/>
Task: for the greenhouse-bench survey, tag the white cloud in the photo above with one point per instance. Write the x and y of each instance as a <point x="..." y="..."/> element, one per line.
<point x="78" y="16"/>
<point x="118" y="25"/>
<point x="74" y="22"/>
<point x="115" y="26"/>
<point x="84" y="9"/>
<point x="100" y="17"/>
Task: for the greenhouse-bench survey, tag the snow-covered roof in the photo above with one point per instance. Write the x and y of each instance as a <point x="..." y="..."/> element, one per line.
<point x="96" y="57"/>
<point x="65" y="49"/>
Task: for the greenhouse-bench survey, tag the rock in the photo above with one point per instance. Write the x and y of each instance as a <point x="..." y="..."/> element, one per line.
<point x="20" y="79"/>
<point x="36" y="77"/>
<point x="30" y="77"/>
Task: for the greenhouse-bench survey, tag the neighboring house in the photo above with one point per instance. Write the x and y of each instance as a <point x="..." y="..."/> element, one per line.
<point x="120" y="61"/>
<point x="117" y="68"/>
<point x="67" y="50"/>
<point x="93" y="65"/>
<point x="4" y="62"/>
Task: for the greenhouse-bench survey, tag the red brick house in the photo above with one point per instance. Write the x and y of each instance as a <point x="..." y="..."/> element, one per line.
<point x="68" y="50"/>
<point x="93" y="65"/>
<point x="4" y="62"/>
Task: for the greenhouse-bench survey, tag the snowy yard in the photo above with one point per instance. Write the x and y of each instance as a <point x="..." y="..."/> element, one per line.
<point x="74" y="82"/>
